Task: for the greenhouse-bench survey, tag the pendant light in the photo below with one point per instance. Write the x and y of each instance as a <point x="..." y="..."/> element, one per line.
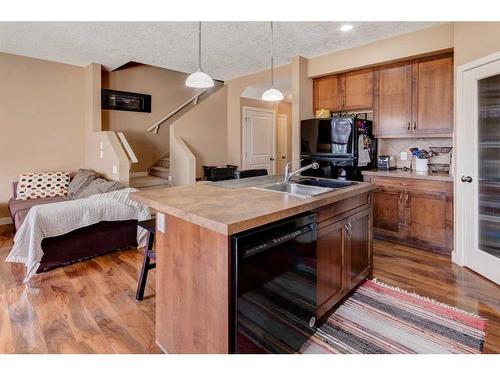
<point x="272" y="94"/>
<point x="199" y="79"/>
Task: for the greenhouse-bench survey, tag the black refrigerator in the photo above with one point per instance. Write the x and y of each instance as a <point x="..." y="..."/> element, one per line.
<point x="343" y="146"/>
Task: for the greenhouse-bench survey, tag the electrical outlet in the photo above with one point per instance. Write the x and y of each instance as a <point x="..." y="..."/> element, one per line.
<point x="404" y="155"/>
<point x="160" y="222"/>
<point x="101" y="146"/>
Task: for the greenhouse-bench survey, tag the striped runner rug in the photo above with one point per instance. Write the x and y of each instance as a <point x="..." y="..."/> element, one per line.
<point x="379" y="318"/>
<point x="376" y="319"/>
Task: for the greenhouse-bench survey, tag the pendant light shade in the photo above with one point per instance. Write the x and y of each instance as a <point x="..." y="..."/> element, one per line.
<point x="272" y="94"/>
<point x="199" y="79"/>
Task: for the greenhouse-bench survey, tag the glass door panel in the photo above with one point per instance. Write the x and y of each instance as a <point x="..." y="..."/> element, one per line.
<point x="489" y="165"/>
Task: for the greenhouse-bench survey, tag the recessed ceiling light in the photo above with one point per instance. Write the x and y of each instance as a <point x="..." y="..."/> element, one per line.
<point x="346" y="27"/>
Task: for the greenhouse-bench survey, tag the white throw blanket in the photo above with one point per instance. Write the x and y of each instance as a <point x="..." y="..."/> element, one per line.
<point x="55" y="219"/>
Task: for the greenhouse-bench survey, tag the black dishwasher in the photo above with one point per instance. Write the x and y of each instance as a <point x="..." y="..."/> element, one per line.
<point x="273" y="302"/>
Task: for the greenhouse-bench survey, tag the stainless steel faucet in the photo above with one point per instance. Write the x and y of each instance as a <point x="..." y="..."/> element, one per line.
<point x="288" y="174"/>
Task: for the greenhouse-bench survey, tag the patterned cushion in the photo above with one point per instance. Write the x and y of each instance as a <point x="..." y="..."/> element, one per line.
<point x="43" y="185"/>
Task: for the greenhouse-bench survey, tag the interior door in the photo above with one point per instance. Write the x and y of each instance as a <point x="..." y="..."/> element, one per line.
<point x="281" y="144"/>
<point x="259" y="139"/>
<point x="478" y="166"/>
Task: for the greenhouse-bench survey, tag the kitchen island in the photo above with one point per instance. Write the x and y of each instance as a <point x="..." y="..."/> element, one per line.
<point x="195" y="227"/>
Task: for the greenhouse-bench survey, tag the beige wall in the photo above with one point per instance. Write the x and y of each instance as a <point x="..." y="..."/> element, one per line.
<point x="281" y="108"/>
<point x="235" y="88"/>
<point x="419" y="42"/>
<point x="42" y="126"/>
<point x="167" y="90"/>
<point x="473" y="40"/>
<point x="302" y="102"/>
<point x="204" y="130"/>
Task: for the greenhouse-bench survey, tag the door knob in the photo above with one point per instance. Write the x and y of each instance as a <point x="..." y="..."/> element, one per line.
<point x="466" y="179"/>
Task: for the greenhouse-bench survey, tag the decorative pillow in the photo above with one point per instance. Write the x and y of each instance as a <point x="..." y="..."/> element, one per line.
<point x="99" y="186"/>
<point x="43" y="185"/>
<point x="81" y="180"/>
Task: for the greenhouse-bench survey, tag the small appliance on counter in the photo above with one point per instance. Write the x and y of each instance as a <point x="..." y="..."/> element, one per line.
<point x="386" y="162"/>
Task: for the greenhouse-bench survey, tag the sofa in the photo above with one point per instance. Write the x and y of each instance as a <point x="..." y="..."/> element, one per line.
<point x="84" y="243"/>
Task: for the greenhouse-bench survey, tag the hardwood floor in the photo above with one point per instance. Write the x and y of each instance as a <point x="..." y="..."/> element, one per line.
<point x="87" y="307"/>
<point x="90" y="307"/>
<point x="435" y="276"/>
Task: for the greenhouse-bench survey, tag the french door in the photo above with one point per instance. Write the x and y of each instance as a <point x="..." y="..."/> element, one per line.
<point x="478" y="165"/>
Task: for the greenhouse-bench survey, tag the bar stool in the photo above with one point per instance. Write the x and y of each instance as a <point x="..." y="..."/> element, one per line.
<point x="150" y="226"/>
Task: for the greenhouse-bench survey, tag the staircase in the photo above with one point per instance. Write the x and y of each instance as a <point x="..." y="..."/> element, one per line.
<point x="161" y="168"/>
<point x="158" y="176"/>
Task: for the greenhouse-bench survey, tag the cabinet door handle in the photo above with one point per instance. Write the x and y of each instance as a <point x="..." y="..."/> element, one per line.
<point x="466" y="179"/>
<point x="407" y="197"/>
<point x="409" y="125"/>
<point x="414" y="125"/>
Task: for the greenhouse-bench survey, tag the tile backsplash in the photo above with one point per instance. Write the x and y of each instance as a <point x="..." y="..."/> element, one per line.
<point x="394" y="146"/>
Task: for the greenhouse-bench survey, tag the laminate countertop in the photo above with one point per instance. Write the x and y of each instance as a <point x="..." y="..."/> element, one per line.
<point x="236" y="206"/>
<point x="399" y="173"/>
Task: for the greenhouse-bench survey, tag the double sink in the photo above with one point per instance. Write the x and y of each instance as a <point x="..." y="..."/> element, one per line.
<point x="307" y="187"/>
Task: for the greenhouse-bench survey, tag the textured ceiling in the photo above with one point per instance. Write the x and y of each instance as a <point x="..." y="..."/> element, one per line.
<point x="230" y="49"/>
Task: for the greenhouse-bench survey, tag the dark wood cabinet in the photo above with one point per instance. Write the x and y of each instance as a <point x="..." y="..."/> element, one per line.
<point x="357" y="89"/>
<point x="409" y="98"/>
<point x="426" y="218"/>
<point x="432" y="96"/>
<point x="342" y="92"/>
<point x="414" y="212"/>
<point x="415" y="98"/>
<point x="393" y="98"/>
<point x="344" y="249"/>
<point x="358" y="252"/>
<point x="389" y="211"/>
<point x="330" y="258"/>
<point x="327" y="93"/>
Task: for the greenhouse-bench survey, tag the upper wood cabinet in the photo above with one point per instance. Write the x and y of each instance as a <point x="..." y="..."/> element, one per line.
<point x="357" y="89"/>
<point x="393" y="98"/>
<point x="327" y="93"/>
<point x="433" y="96"/>
<point x="415" y="98"/>
<point x="342" y="92"/>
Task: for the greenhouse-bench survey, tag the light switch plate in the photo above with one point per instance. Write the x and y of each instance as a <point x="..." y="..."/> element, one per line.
<point x="101" y="154"/>
<point x="115" y="169"/>
<point x="160" y="222"/>
<point x="404" y="155"/>
<point x="101" y="146"/>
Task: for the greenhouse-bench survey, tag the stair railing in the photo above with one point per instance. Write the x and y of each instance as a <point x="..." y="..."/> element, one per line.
<point x="194" y="100"/>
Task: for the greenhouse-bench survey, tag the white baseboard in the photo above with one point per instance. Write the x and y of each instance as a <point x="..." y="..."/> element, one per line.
<point x="5" y="220"/>
<point x="138" y="174"/>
